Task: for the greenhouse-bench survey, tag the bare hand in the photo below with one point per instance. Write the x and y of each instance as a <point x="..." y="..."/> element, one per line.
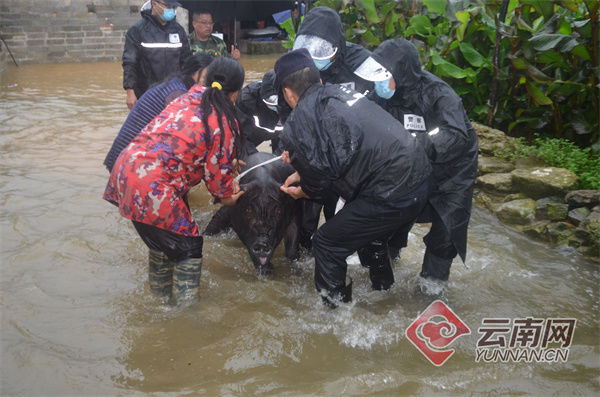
<point x="131" y="99"/>
<point x="285" y="157"/>
<point x="235" y="53"/>
<point x="237" y="192"/>
<point x="237" y="167"/>
<point x="295" y="192"/>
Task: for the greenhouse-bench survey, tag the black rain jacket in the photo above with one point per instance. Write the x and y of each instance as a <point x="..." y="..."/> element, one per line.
<point x="325" y="23"/>
<point x="152" y="52"/>
<point x="341" y="142"/>
<point x="250" y="105"/>
<point x="453" y="150"/>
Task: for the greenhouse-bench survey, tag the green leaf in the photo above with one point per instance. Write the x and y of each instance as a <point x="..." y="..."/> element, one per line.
<point x="565" y="28"/>
<point x="558" y="42"/>
<point x="537" y="75"/>
<point x="446" y="68"/>
<point x="550" y="56"/>
<point x="592" y="6"/>
<point x="480" y="110"/>
<point x="472" y="56"/>
<point x="538" y="96"/>
<point x="519" y="63"/>
<point x="463" y="18"/>
<point x="421" y="25"/>
<point x="370" y="10"/>
<point x="437" y="6"/>
<point x="581" y="52"/>
<point x="564" y="88"/>
<point x="571" y="5"/>
<point x="543" y="7"/>
<point x="390" y="24"/>
<point x="523" y="120"/>
<point x="370" y="38"/>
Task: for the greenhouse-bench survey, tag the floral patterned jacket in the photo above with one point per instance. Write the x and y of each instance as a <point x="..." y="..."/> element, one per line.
<point x="172" y="154"/>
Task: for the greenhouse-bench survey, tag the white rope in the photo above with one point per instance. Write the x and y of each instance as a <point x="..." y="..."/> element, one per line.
<point x="240" y="176"/>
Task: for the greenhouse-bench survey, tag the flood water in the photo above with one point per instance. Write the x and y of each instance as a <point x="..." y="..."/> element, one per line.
<point x="78" y="317"/>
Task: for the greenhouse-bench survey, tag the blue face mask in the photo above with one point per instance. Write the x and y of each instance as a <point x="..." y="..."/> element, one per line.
<point x="168" y="14"/>
<point x="273" y="108"/>
<point x="322" y="64"/>
<point x="382" y="88"/>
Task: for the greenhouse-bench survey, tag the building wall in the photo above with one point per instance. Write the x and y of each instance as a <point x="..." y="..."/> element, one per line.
<point x="57" y="31"/>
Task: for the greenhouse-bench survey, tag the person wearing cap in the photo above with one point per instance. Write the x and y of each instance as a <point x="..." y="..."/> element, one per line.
<point x="338" y="141"/>
<point x="155" y="47"/>
<point x="258" y="113"/>
<point x="202" y="41"/>
<point x="430" y="109"/>
<point x="322" y="34"/>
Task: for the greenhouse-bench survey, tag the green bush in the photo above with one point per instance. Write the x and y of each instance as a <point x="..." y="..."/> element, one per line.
<point x="536" y="70"/>
<point x="558" y="153"/>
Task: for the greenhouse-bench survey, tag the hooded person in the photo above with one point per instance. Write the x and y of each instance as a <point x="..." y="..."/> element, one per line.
<point x="322" y="34"/>
<point x="155" y="47"/>
<point x="430" y="109"/>
<point x="338" y="141"/>
<point x="258" y="113"/>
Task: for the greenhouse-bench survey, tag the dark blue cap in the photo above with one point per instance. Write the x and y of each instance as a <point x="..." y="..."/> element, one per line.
<point x="291" y="62"/>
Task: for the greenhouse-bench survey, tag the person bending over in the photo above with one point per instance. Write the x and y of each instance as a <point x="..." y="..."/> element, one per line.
<point x="192" y="140"/>
<point x="338" y="141"/>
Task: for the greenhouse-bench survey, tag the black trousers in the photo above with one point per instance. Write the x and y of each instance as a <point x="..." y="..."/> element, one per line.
<point x="440" y="250"/>
<point x="177" y="247"/>
<point x="359" y="223"/>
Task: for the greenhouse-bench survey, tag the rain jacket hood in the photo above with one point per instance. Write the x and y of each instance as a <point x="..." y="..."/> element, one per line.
<point x="326" y="24"/>
<point x="443" y="128"/>
<point x="401" y="59"/>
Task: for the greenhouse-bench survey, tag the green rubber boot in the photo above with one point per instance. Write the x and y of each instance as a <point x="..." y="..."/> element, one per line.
<point x="186" y="281"/>
<point x="160" y="273"/>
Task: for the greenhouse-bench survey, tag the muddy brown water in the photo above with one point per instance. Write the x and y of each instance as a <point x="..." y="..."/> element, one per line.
<point x="78" y="317"/>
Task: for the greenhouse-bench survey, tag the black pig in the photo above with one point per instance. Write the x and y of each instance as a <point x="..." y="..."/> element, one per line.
<point x="263" y="215"/>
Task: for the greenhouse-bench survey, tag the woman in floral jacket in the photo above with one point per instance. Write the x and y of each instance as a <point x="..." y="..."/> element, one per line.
<point x="193" y="139"/>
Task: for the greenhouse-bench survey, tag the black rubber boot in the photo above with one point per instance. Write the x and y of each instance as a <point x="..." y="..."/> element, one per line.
<point x="186" y="281"/>
<point x="160" y="273"/>
<point x="344" y="294"/>
<point x="375" y="257"/>
<point x="394" y="252"/>
<point x="435" y="267"/>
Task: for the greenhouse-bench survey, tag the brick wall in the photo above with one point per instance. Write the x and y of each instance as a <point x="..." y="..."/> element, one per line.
<point x="56" y="31"/>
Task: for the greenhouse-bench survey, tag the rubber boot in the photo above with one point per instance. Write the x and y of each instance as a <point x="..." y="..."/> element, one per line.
<point x="375" y="257"/>
<point x="435" y="267"/>
<point x="343" y="294"/>
<point x="160" y="273"/>
<point x="394" y="252"/>
<point x="186" y="281"/>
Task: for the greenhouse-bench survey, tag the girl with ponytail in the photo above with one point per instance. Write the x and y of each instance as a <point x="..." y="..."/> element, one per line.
<point x="192" y="140"/>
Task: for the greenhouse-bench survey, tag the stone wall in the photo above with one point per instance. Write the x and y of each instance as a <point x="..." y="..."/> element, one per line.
<point x="56" y="31"/>
<point x="539" y="200"/>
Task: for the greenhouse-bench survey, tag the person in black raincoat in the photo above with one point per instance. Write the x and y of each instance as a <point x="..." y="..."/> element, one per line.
<point x="257" y="112"/>
<point x="155" y="46"/>
<point x="322" y="34"/>
<point x="338" y="141"/>
<point x="429" y="108"/>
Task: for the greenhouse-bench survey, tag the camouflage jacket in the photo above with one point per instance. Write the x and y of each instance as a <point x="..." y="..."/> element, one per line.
<point x="214" y="46"/>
